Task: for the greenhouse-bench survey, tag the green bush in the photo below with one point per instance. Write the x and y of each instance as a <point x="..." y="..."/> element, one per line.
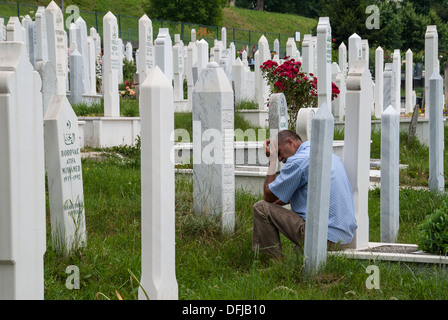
<point x="433" y="232"/>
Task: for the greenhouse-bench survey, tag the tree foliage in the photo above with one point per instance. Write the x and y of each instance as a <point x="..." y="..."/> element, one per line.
<point x="206" y="12"/>
<point x="402" y="24"/>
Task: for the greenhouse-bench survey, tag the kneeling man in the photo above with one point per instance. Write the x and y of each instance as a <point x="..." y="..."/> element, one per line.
<point x="291" y="187"/>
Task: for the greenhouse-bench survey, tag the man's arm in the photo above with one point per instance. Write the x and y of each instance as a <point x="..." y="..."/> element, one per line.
<point x="268" y="195"/>
<point x="271" y="153"/>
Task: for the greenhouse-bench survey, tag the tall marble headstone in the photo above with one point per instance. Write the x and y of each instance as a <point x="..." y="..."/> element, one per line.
<point x="389" y="85"/>
<point x="436" y="136"/>
<point x="409" y="105"/>
<point x="56" y="45"/>
<point x="14" y="31"/>
<point x="307" y="54"/>
<point x="178" y="70"/>
<point x="64" y="174"/>
<point x="213" y="151"/>
<point x="111" y="66"/>
<point x="397" y="80"/>
<point x="164" y="52"/>
<point x="83" y="48"/>
<point x="318" y="201"/>
<point x="323" y="48"/>
<point x="278" y="114"/>
<point x="357" y="144"/>
<point x="263" y="88"/>
<point x="238" y="80"/>
<point x="22" y="177"/>
<point x="157" y="188"/>
<point x="76" y="75"/>
<point x="354" y="49"/>
<point x="202" y="55"/>
<point x="146" y="48"/>
<point x="390" y="154"/>
<point x="379" y="81"/>
<point x="431" y="61"/>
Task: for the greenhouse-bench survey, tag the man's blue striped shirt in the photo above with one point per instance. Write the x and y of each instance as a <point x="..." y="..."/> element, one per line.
<point x="291" y="186"/>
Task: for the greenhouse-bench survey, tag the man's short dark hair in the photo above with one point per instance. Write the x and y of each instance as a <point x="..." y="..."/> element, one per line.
<point x="284" y="134"/>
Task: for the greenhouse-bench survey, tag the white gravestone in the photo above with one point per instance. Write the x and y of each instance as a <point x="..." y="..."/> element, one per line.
<point x="129" y="51"/>
<point x="178" y="70"/>
<point x="342" y="60"/>
<point x="49" y="81"/>
<point x="192" y="57"/>
<point x="357" y="144"/>
<point x="111" y="66"/>
<point x="76" y="75"/>
<point x="238" y="80"/>
<point x="164" y="52"/>
<point x="202" y="55"/>
<point x="303" y="123"/>
<point x="291" y="48"/>
<point x="431" y="61"/>
<point x="278" y="114"/>
<point x="338" y="104"/>
<point x="2" y="30"/>
<point x="379" y="81"/>
<point x="307" y="54"/>
<point x="157" y="188"/>
<point x="409" y="106"/>
<point x="146" y="48"/>
<point x="389" y="85"/>
<point x="213" y="162"/>
<point x="436" y="137"/>
<point x="390" y="161"/>
<point x="397" y="80"/>
<point x="14" y="31"/>
<point x="263" y="88"/>
<point x="354" y="49"/>
<point x="22" y="177"/>
<point x="41" y="35"/>
<point x="120" y="60"/>
<point x="83" y="49"/>
<point x="92" y="65"/>
<point x="57" y="53"/>
<point x="64" y="174"/>
<point x="318" y="201"/>
<point x="323" y="48"/>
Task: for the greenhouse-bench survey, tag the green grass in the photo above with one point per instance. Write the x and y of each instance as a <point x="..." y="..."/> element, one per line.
<point x="212" y="265"/>
<point x="238" y="21"/>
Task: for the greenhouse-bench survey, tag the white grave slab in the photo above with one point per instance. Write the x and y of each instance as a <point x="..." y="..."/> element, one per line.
<point x="64" y="174"/>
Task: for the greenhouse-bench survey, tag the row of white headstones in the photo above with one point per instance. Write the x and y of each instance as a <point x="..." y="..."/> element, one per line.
<point x="179" y="62"/>
<point x="23" y="163"/>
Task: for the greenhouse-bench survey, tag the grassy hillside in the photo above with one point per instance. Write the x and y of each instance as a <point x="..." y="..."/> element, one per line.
<point x="237" y="18"/>
<point x="267" y="21"/>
